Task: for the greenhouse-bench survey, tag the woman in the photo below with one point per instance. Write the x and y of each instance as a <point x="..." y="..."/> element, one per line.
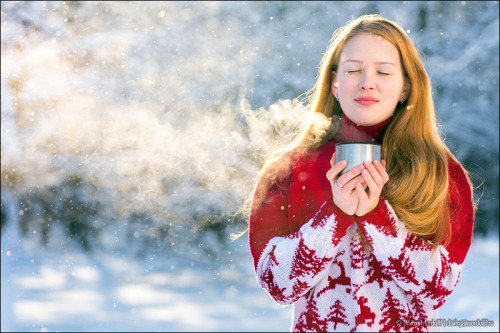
<point x="379" y="248"/>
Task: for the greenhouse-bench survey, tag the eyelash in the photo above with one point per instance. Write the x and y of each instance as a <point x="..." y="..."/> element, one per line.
<point x="381" y="73"/>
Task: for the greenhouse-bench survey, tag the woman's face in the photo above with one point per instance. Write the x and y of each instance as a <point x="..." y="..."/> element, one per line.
<point x="369" y="80"/>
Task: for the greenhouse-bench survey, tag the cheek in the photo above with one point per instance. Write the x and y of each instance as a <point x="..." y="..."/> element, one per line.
<point x="346" y="86"/>
<point x="390" y="92"/>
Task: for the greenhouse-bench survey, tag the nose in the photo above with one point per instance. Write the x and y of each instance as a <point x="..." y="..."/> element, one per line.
<point x="367" y="81"/>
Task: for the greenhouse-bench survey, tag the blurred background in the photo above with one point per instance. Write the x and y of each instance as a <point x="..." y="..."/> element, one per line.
<point x="131" y="134"/>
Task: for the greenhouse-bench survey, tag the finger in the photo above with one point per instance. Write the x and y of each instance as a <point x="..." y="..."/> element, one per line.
<point x="337" y="168"/>
<point x="372" y="185"/>
<point x="334" y="171"/>
<point x="363" y="183"/>
<point x="351" y="174"/>
<point x="381" y="169"/>
<point x="361" y="193"/>
<point x="330" y="175"/>
<point x="333" y="160"/>
<point x="374" y="172"/>
<point x="351" y="184"/>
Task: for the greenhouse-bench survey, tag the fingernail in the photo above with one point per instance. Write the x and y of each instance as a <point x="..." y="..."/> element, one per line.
<point x="343" y="163"/>
<point x="360" y="168"/>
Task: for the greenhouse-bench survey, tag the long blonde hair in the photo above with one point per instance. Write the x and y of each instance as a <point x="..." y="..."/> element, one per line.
<point x="416" y="157"/>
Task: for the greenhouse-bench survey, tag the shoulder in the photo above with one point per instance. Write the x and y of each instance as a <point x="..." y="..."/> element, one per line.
<point x="458" y="175"/>
<point x="460" y="189"/>
<point x="298" y="156"/>
<point x="280" y="169"/>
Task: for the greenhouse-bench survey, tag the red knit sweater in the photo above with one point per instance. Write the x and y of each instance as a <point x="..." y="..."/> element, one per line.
<point x="308" y="252"/>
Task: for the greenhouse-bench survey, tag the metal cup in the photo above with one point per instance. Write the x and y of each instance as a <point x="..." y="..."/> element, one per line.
<point x="355" y="153"/>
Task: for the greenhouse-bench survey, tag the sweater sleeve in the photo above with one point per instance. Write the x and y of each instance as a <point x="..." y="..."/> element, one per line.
<point x="288" y="264"/>
<point x="428" y="275"/>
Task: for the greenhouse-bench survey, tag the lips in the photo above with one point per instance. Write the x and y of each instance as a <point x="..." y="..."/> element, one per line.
<point x="366" y="100"/>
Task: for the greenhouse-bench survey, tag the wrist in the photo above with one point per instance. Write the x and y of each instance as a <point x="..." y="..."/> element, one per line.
<point x="362" y="212"/>
<point x="345" y="209"/>
<point x="342" y="212"/>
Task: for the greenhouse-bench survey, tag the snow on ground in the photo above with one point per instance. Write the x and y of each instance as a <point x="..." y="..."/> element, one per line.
<point x="43" y="290"/>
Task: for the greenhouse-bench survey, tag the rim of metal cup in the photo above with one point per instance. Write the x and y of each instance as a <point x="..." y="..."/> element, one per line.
<point x="358" y="143"/>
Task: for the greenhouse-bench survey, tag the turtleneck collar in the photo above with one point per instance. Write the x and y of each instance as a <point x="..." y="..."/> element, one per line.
<point x="351" y="132"/>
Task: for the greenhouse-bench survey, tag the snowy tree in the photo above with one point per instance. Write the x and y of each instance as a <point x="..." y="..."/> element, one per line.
<point x="165" y="111"/>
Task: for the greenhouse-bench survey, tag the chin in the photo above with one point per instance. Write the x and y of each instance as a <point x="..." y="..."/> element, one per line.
<point x="364" y="119"/>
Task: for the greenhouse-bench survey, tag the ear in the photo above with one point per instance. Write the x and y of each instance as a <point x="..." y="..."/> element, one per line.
<point x="334" y="80"/>
<point x="406" y="89"/>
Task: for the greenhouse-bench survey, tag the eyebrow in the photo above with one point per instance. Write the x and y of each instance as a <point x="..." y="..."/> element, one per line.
<point x="377" y="63"/>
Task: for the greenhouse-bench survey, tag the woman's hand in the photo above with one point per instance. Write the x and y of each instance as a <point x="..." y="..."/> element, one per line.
<point x="344" y="187"/>
<point x="375" y="176"/>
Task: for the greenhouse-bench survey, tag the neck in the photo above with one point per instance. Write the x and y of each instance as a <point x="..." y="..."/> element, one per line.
<point x="350" y="132"/>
